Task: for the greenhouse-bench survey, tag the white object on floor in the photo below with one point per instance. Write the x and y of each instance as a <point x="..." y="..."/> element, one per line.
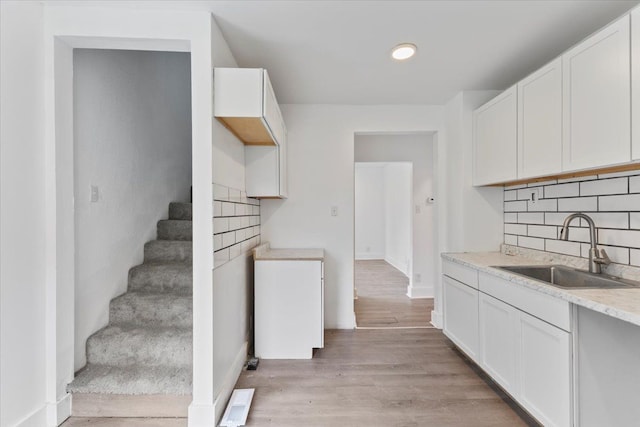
<point x="238" y="408"/>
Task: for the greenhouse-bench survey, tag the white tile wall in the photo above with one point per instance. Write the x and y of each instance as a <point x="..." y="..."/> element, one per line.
<point x="612" y="200"/>
<point x="236" y="224"/>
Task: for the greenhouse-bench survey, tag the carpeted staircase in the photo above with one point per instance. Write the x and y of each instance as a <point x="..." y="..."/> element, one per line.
<point x="146" y="349"/>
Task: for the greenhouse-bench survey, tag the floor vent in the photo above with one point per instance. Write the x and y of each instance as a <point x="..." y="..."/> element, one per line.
<point x="238" y="408"/>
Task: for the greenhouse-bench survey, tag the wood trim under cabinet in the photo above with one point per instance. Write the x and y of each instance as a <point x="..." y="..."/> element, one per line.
<point x="250" y="130"/>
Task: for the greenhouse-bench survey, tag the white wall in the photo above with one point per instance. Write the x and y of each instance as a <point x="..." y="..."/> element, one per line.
<point x="419" y="150"/>
<point x="369" y="211"/>
<point x="132" y="129"/>
<point x="398" y="219"/>
<point x="321" y="171"/>
<point x="22" y="215"/>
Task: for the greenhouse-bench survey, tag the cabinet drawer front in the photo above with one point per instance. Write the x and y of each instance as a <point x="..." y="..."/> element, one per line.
<point x="463" y="274"/>
<point x="545" y="307"/>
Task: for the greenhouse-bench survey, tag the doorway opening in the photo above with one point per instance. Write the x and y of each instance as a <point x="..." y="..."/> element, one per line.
<point x="394" y="228"/>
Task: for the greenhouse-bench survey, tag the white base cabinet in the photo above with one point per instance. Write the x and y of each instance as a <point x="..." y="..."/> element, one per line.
<point x="289" y="308"/>
<point x="530" y="358"/>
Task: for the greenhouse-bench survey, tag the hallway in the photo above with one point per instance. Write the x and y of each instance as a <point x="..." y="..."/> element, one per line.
<point x="382" y="298"/>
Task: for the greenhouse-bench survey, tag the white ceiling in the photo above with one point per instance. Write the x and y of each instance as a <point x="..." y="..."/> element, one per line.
<point x="337" y="52"/>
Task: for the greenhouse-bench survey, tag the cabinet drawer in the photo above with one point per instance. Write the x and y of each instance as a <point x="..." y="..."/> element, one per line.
<point x="542" y="306"/>
<point x="463" y="274"/>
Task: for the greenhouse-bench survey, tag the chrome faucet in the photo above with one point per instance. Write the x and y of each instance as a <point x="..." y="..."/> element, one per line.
<point x="597" y="257"/>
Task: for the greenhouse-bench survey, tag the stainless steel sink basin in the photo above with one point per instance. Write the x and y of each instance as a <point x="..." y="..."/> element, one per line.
<point x="570" y="278"/>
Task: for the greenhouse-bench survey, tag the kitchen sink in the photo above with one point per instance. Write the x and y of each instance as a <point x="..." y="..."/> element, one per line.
<point x="570" y="278"/>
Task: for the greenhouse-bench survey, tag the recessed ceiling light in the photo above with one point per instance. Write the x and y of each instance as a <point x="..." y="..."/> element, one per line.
<point x="403" y="51"/>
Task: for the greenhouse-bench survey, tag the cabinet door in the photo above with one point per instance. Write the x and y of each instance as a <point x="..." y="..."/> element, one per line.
<point x="596" y="95"/>
<point x="262" y="171"/>
<point x="540" y="122"/>
<point x="635" y="84"/>
<point x="495" y="139"/>
<point x="283" y="149"/>
<point x="545" y="371"/>
<point x="461" y="316"/>
<point x="499" y="341"/>
<point x="271" y="111"/>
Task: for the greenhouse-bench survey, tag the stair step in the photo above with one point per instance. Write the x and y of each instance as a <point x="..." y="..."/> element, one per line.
<point x="168" y="251"/>
<point x="157" y="277"/>
<point x="128" y="345"/>
<point x="180" y="211"/>
<point x="154" y="309"/>
<point x="174" y="229"/>
<point x="132" y="380"/>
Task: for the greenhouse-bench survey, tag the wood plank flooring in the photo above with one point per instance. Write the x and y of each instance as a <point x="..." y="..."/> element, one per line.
<point x="382" y="298"/>
<point x="386" y="378"/>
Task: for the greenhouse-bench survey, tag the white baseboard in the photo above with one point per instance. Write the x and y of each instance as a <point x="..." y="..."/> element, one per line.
<point x="398" y="266"/>
<point x="229" y="383"/>
<point x="210" y="415"/>
<point x="436" y="319"/>
<point x="36" y="418"/>
<point x="58" y="412"/>
<point x="415" y="292"/>
<point x="369" y="255"/>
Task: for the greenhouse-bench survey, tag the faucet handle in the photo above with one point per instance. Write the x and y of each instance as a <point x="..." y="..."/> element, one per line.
<point x="602" y="257"/>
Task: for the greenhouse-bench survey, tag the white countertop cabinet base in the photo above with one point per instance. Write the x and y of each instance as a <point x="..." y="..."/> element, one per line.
<point x="289" y="320"/>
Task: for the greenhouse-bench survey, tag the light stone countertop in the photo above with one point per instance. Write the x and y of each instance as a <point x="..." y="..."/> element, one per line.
<point x="264" y="253"/>
<point x="623" y="304"/>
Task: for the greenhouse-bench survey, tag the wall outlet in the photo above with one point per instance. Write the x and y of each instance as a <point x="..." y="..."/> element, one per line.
<point x="535" y="194"/>
<point x="95" y="194"/>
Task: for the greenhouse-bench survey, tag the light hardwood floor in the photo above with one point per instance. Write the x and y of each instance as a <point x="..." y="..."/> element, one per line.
<point x="386" y="378"/>
<point x="382" y="298"/>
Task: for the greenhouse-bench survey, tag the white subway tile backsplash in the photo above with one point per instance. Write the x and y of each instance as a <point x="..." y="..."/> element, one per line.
<point x="578" y="204"/>
<point x="531" y="242"/>
<point x="577" y="234"/>
<point x="547" y="231"/>
<point x="634" y="184"/>
<point x="634" y="257"/>
<point x="515" y="229"/>
<point x="510" y="195"/>
<point x="627" y="202"/>
<point x="510" y="239"/>
<point x="634" y="220"/>
<point x="616" y="174"/>
<point x="563" y="247"/>
<point x="510" y="217"/>
<point x="554" y="218"/>
<point x="525" y="193"/>
<point x="236" y="224"/>
<point x="520" y="206"/>
<point x="220" y="192"/>
<point x="220" y="225"/>
<point x="628" y="238"/>
<point x="604" y="186"/>
<point x="616" y="254"/>
<point x="608" y="219"/>
<point x="531" y="218"/>
<point x="562" y="190"/>
<point x="543" y="205"/>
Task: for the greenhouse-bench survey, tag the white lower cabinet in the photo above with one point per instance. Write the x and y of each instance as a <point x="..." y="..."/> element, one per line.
<point x="499" y="341"/>
<point x="461" y="316"/>
<point x="498" y="325"/>
<point x="545" y="371"/>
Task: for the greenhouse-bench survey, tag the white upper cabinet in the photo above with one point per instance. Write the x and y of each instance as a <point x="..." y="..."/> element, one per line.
<point x="635" y="84"/>
<point x="266" y="170"/>
<point x="540" y="122"/>
<point x="245" y="103"/>
<point x="495" y="139"/>
<point x="596" y="95"/>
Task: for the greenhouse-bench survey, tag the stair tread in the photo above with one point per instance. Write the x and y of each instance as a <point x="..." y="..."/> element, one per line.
<point x="133" y="380"/>
<point x="168" y="250"/>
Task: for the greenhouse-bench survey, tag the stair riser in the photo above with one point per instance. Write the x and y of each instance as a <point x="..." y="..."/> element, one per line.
<point x="174" y="230"/>
<point x="168" y="251"/>
<point x="180" y="211"/>
<point x="131" y="349"/>
<point x="161" y="278"/>
<point x="152" y="310"/>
